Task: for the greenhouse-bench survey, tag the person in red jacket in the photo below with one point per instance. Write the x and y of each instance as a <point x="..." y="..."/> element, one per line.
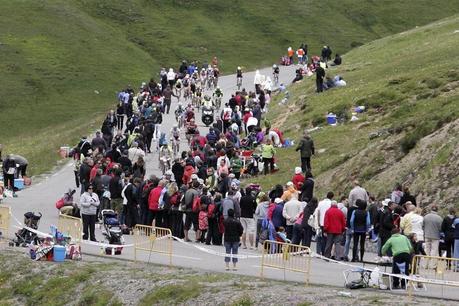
<point x="153" y="203"/>
<point x="334" y="227"/>
<point x="298" y="178"/>
<point x="189" y="170"/>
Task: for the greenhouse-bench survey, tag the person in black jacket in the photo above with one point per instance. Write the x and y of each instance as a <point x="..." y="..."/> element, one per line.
<point x="115" y="186"/>
<point x="386" y="223"/>
<point x="320" y="76"/>
<point x="307" y="189"/>
<point x="407" y="197"/>
<point x="85" y="171"/>
<point x="360" y="225"/>
<point x="447" y="230"/>
<point x="308" y="230"/>
<point x="132" y="212"/>
<point x="232" y="238"/>
<point x="248" y="205"/>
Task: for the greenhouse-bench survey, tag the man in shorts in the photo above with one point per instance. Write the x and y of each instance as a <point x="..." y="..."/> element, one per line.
<point x="248" y="205"/>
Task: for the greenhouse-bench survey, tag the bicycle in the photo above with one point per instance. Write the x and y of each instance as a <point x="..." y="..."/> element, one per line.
<point x="239" y="83"/>
<point x="175" y="146"/>
<point x="276" y="78"/>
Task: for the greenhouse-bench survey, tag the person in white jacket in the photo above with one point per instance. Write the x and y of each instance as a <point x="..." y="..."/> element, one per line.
<point x="89" y="202"/>
<point x="291" y="211"/>
<point x="412" y="222"/>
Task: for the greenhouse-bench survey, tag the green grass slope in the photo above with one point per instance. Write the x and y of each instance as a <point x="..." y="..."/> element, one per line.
<point x="409" y="83"/>
<point x="56" y="54"/>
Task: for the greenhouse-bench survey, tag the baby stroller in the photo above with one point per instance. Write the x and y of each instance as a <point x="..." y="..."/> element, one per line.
<point x="24" y="236"/>
<point x="112" y="231"/>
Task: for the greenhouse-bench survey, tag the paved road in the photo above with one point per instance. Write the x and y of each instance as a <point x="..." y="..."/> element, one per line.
<point x="42" y="196"/>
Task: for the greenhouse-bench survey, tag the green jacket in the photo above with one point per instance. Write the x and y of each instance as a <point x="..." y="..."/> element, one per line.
<point x="399" y="244"/>
<point x="268" y="151"/>
<point x="306" y="145"/>
<point x="236" y="165"/>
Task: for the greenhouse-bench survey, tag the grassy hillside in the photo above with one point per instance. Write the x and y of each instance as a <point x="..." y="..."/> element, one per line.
<point x="409" y="84"/>
<point x="57" y="54"/>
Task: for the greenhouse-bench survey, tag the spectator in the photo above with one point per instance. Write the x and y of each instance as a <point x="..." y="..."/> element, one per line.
<point x="233" y="232"/>
<point x="306" y="148"/>
<point x="89" y="202"/>
<point x="357" y="193"/>
<point x="248" y="206"/>
<point x="447" y="231"/>
<point x="291" y="212"/>
<point x="401" y="249"/>
<point x="360" y="226"/>
<point x="432" y="230"/>
<point x="334" y="226"/>
<point x="321" y="209"/>
<point x="298" y="178"/>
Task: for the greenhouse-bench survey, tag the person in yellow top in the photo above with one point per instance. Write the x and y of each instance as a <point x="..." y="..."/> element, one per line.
<point x="290" y="53"/>
<point x="267" y="153"/>
<point x="289" y="193"/>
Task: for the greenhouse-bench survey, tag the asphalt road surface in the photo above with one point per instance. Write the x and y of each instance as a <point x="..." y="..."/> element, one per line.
<point x="42" y="195"/>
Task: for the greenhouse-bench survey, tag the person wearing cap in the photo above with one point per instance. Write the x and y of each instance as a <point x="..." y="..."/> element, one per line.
<point x="298" y="178"/>
<point x="89" y="202"/>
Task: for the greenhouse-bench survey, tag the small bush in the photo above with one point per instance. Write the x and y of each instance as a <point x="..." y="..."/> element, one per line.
<point x="319" y="120"/>
<point x="432" y="83"/>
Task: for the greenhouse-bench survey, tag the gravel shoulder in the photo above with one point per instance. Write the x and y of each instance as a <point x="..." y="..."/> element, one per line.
<point x="104" y="281"/>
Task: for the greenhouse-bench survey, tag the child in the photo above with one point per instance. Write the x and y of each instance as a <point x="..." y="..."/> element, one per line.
<point x="282" y="235"/>
<point x="203" y="223"/>
<point x="417" y="245"/>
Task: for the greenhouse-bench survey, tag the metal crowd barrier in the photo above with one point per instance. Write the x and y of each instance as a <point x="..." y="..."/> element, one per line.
<point x="71" y="226"/>
<point x="153" y="240"/>
<point x="435" y="271"/>
<point x="5" y="212"/>
<point x="286" y="257"/>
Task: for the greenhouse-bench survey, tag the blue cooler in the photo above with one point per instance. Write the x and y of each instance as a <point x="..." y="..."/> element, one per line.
<point x="59" y="253"/>
<point x="19" y="183"/>
<point x="331" y="119"/>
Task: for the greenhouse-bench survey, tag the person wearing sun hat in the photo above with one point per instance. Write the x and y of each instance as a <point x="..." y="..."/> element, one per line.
<point x="298" y="178"/>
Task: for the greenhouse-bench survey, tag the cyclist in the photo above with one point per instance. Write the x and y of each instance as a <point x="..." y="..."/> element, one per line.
<point x="276" y="74"/>
<point x="207" y="102"/>
<point x="175" y="138"/>
<point x="217" y="96"/>
<point x="239" y="78"/>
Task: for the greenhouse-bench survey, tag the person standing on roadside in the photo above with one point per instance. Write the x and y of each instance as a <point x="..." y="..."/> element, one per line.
<point x="232" y="238"/>
<point x="89" y="202"/>
<point x="360" y="226"/>
<point x="306" y="148"/>
<point x="447" y="231"/>
<point x="334" y="227"/>
<point x="432" y="229"/>
<point x="248" y="205"/>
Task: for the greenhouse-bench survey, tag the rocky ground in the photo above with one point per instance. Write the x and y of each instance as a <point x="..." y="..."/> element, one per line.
<point x="104" y="281"/>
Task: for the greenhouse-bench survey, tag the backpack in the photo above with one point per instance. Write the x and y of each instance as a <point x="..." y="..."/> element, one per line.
<point x="196" y="207"/>
<point x="211" y="209"/>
